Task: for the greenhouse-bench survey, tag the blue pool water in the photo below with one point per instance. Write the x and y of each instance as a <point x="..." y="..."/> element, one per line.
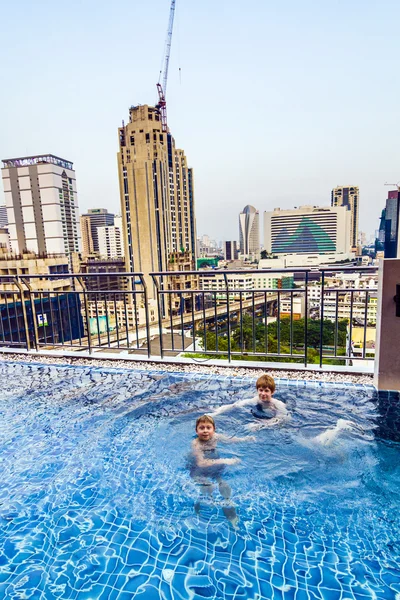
<point x="96" y="500"/>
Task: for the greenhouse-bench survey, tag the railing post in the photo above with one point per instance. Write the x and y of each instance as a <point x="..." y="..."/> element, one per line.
<point x="228" y="316"/>
<point x="85" y="302"/>
<point x="321" y="316"/>
<point x="24" y="315"/>
<point x="159" y="313"/>
<point x="146" y="312"/>
<point x="306" y="320"/>
<point x="34" y="317"/>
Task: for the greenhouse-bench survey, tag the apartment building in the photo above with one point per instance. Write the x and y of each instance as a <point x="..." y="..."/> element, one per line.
<point x="42" y="205"/>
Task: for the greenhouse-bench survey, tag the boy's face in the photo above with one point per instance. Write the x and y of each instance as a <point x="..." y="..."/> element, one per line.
<point x="264" y="393"/>
<point x="205" y="431"/>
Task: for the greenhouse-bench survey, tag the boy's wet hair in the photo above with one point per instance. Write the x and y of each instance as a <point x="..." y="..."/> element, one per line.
<point x="205" y="419"/>
<point x="266" y="381"/>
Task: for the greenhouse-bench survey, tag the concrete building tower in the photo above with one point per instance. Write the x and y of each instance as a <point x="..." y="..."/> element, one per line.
<point x="249" y="232"/>
<point x="42" y="205"/>
<point x="90" y="221"/>
<point x="348" y="197"/>
<point x="157" y="196"/>
<point x="110" y="245"/>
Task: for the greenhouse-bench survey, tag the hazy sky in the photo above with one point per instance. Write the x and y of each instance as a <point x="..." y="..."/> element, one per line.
<point x="277" y="102"/>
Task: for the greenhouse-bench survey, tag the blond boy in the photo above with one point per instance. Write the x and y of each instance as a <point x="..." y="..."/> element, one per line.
<point x="207" y="464"/>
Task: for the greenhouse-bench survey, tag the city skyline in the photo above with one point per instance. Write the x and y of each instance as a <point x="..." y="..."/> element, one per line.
<point x="301" y="144"/>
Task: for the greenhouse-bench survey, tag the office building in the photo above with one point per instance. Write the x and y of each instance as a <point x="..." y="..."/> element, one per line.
<point x="3" y="216"/>
<point x="348" y="197"/>
<point x="42" y="205"/>
<point x="249" y="232"/>
<point x="90" y="222"/>
<point x="392" y="216"/>
<point x="109" y="239"/>
<point x="231" y="250"/>
<point x="157" y="196"/>
<point x="307" y="230"/>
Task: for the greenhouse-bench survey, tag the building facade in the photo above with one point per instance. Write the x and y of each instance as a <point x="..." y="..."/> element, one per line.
<point x="392" y="216"/>
<point x="3" y="216"/>
<point x="90" y="222"/>
<point x="231" y="250"/>
<point x="249" y="232"/>
<point x="42" y="205"/>
<point x="307" y="230"/>
<point x="157" y="195"/>
<point x="110" y="242"/>
<point x="349" y="198"/>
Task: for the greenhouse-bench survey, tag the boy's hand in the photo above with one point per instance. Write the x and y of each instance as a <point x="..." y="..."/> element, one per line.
<point x="232" y="461"/>
<point x="253" y="427"/>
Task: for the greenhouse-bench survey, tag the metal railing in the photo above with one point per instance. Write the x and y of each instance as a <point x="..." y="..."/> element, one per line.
<point x="74" y="312"/>
<point x="303" y="315"/>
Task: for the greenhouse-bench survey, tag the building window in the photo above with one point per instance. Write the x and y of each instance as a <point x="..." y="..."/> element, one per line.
<point x="147" y="138"/>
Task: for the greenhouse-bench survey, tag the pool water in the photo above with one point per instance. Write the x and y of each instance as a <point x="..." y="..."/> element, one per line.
<point x="97" y="502"/>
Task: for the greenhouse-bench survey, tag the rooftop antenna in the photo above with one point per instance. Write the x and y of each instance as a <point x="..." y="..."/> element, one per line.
<point x="162" y="89"/>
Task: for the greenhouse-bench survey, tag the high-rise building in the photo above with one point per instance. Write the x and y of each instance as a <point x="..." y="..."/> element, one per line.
<point x="392" y="217"/>
<point x="249" y="231"/>
<point x="348" y="197"/>
<point x="3" y="216"/>
<point x="157" y="196"/>
<point x="42" y="205"/>
<point x="307" y="230"/>
<point x="110" y="242"/>
<point x="90" y="222"/>
<point x="230" y="250"/>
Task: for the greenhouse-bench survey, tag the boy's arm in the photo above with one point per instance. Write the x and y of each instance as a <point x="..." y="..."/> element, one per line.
<point x="281" y="410"/>
<point x="228" y="407"/>
<point x="210" y="462"/>
<point x="265" y="423"/>
<point x="225" y="438"/>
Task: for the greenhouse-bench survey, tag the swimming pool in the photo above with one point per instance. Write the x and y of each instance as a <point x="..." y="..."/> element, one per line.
<point x="97" y="502"/>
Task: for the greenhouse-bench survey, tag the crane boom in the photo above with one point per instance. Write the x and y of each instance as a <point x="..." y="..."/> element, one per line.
<point x="162" y="89"/>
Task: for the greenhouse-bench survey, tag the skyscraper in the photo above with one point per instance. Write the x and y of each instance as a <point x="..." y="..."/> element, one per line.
<point x="348" y="197"/>
<point x="249" y="231"/>
<point x="90" y="221"/>
<point x="42" y="204"/>
<point x="392" y="217"/>
<point x="157" y="197"/>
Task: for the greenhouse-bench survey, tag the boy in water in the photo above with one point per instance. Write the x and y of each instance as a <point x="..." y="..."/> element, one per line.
<point x="264" y="406"/>
<point x="207" y="464"/>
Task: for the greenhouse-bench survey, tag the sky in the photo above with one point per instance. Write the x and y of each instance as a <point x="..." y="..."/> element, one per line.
<point x="274" y="103"/>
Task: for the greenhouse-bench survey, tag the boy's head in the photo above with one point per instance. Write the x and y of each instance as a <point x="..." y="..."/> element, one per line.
<point x="265" y="387"/>
<point x="205" y="427"/>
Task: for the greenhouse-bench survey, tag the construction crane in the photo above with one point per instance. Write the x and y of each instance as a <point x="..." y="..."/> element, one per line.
<point x="397" y="185"/>
<point x="162" y="89"/>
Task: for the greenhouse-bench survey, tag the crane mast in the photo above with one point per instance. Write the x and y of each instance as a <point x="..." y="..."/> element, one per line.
<point x="162" y="89"/>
